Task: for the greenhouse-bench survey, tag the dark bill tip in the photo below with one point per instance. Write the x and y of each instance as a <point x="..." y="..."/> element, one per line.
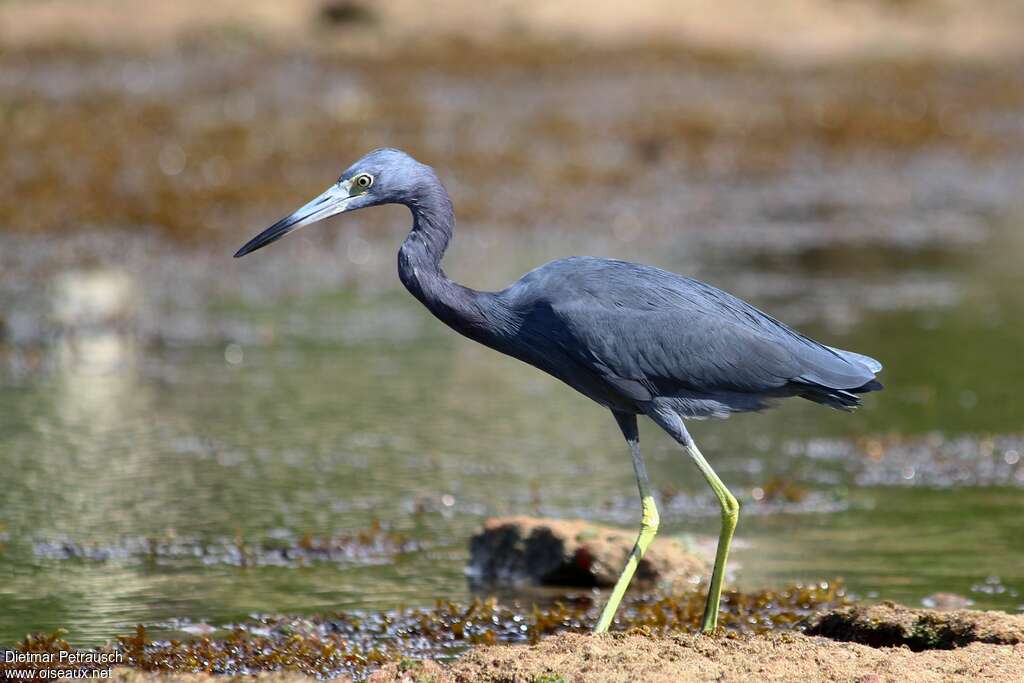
<point x="331" y="202"/>
<point x="271" y="234"/>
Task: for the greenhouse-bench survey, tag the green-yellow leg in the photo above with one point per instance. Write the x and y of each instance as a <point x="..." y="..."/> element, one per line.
<point x="648" y="523"/>
<point x="730" y="515"/>
<point x="668" y="419"/>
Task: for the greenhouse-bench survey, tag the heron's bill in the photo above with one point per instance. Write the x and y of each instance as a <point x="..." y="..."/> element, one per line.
<point x="332" y="202"/>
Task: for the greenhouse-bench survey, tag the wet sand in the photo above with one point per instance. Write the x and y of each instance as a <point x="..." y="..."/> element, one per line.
<point x="683" y="658"/>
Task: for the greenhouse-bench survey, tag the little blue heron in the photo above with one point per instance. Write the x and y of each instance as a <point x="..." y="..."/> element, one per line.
<point x="636" y="339"/>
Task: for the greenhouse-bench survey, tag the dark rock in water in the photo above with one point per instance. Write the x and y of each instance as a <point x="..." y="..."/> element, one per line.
<point x="573" y="553"/>
<point x="890" y="625"/>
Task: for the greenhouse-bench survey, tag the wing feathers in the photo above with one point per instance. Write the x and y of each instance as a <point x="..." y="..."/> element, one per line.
<point x="650" y="333"/>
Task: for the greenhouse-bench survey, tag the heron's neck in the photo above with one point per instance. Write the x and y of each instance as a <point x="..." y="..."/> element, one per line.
<point x="419" y="267"/>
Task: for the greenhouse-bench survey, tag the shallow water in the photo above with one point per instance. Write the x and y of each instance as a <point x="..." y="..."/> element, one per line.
<point x="339" y="415"/>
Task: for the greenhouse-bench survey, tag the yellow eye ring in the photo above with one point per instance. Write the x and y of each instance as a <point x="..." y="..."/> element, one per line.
<point x="362" y="181"/>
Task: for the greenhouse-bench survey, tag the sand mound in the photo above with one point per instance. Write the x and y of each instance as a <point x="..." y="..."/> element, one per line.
<point x="890" y="625"/>
<point x="679" y="658"/>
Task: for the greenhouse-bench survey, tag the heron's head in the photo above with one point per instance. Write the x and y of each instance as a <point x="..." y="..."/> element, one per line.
<point x="384" y="176"/>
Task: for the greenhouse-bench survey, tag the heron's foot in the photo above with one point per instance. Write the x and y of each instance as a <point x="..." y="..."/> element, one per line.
<point x="730" y="515"/>
<point x="710" y="622"/>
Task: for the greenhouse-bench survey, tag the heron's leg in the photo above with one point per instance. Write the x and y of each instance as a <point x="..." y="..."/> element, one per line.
<point x="673" y="424"/>
<point x="648" y="521"/>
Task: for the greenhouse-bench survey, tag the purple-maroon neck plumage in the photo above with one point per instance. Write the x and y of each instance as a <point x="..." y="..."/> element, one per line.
<point x="419" y="263"/>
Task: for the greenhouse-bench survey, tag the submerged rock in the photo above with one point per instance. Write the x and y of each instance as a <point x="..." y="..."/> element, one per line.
<point x="573" y="553"/>
<point x="890" y="625"/>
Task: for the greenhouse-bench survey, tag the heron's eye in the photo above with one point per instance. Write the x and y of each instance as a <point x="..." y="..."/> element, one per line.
<point x="362" y="181"/>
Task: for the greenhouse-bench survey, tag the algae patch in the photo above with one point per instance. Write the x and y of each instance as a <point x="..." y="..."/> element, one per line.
<point x="355" y="644"/>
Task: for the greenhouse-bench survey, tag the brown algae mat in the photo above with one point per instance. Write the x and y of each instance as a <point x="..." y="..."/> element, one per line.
<point x="571" y="657"/>
<point x="124" y="675"/>
<point x="356" y="644"/>
<point x="657" y="642"/>
<point x="192" y="143"/>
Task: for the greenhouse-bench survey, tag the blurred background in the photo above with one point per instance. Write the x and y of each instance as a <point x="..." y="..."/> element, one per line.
<point x="176" y="425"/>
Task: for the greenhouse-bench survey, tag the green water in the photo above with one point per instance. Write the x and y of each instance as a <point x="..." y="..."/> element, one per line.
<point x="420" y="429"/>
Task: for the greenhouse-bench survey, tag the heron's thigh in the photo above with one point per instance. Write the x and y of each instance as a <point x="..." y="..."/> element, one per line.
<point x="669" y="420"/>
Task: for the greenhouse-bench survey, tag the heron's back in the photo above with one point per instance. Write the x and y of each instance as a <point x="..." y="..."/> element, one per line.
<point x="647" y="334"/>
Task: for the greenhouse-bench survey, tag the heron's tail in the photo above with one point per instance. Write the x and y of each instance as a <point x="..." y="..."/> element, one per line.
<point x="821" y="390"/>
<point x="840" y="399"/>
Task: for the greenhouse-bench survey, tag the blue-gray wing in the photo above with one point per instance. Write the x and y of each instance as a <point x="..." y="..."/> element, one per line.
<point x="664" y="335"/>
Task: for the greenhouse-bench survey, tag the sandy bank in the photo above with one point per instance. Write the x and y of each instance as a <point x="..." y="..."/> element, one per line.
<point x="801" y="29"/>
